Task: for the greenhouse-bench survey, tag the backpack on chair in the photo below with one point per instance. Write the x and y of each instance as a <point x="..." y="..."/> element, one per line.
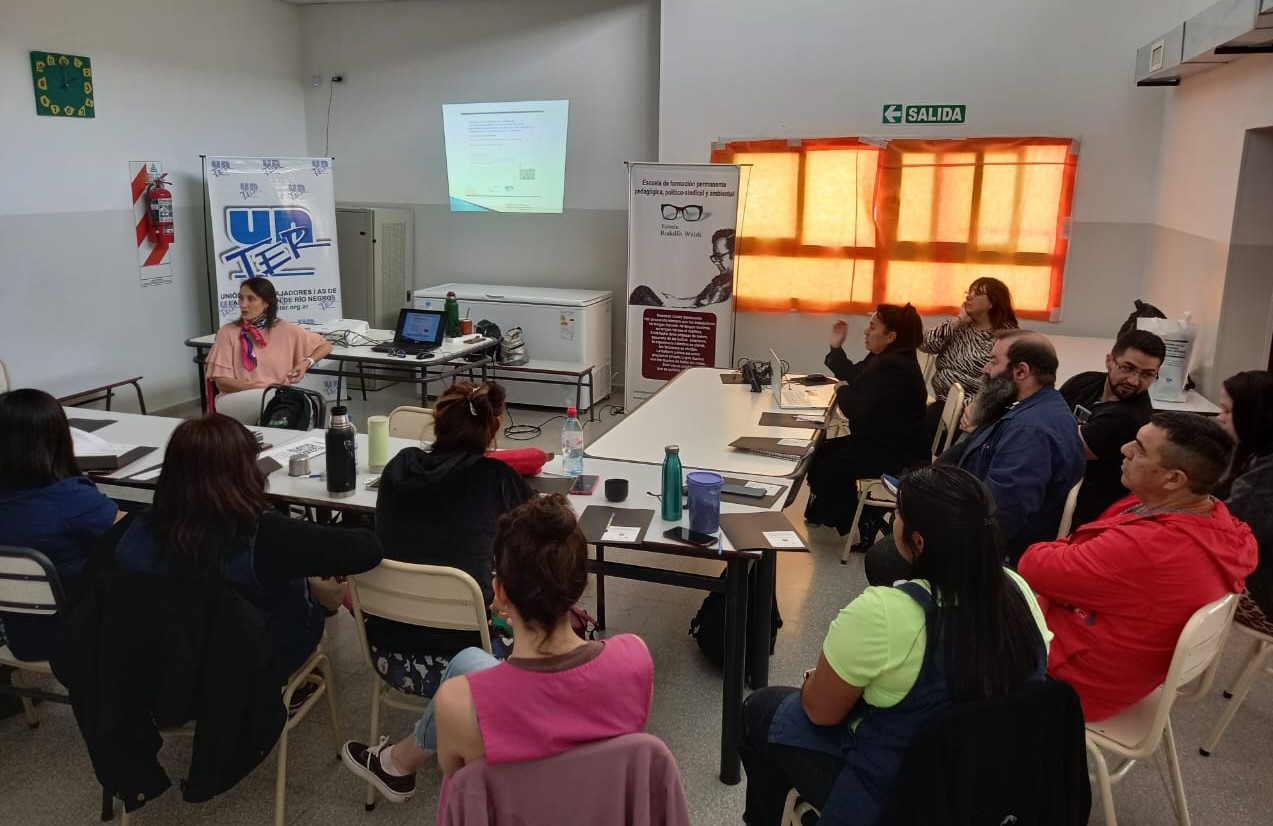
<point x="292" y="408"/>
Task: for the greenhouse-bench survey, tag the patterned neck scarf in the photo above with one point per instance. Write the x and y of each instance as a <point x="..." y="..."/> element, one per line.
<point x="251" y="337"/>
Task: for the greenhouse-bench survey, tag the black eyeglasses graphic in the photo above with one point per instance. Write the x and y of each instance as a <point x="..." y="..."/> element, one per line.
<point x="691" y="212"/>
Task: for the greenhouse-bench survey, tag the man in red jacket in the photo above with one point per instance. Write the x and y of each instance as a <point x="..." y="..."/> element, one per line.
<point x="1118" y="592"/>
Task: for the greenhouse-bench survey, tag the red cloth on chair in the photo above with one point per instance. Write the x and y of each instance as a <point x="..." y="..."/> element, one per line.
<point x="527" y="461"/>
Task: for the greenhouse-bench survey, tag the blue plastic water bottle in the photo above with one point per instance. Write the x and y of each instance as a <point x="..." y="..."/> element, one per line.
<point x="572" y="444"/>
<point x="672" y="483"/>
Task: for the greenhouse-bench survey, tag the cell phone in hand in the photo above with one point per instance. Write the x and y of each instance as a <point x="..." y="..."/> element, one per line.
<point x="584" y="485"/>
<point x="680" y="534"/>
<point x="1082" y="413"/>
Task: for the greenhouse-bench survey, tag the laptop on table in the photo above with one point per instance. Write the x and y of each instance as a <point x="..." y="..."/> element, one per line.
<point x="418" y="331"/>
<point x="792" y="396"/>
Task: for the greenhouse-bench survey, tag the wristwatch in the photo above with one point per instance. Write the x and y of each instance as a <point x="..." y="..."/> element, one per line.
<point x="310" y="360"/>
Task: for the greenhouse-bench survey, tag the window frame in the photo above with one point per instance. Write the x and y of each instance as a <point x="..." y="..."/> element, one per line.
<point x="886" y="210"/>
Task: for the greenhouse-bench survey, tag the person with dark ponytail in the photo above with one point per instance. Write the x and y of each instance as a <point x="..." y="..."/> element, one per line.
<point x="883" y="398"/>
<point x="1246" y="413"/>
<point x="555" y="692"/>
<point x="440" y="505"/>
<point x="963" y="628"/>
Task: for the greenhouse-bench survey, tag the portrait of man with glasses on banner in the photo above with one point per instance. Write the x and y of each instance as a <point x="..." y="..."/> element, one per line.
<point x="719" y="289"/>
<point x="1110" y="406"/>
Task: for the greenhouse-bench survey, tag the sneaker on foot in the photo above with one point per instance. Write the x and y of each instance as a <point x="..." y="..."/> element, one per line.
<point x="364" y="761"/>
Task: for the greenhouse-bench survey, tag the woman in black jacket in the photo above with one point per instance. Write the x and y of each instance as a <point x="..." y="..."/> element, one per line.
<point x="883" y="397"/>
<point x="441" y="507"/>
<point x="1246" y="412"/>
<point x="211" y="516"/>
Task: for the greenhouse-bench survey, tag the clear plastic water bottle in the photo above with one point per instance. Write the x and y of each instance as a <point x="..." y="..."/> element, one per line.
<point x="572" y="443"/>
<point x="672" y="483"/>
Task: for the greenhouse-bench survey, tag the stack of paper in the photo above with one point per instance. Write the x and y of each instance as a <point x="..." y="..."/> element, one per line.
<point x="95" y="453"/>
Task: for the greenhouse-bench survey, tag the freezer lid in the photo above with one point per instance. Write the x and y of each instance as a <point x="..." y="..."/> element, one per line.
<point x="515" y="295"/>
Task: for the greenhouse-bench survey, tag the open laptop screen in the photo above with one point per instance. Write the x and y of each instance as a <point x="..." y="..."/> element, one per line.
<point x="419" y="327"/>
<point x="775" y="375"/>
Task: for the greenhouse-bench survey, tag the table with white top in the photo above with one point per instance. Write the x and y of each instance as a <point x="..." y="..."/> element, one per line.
<point x="745" y="612"/>
<point x="701" y="414"/>
<point x="1079" y="354"/>
<point x="154" y="431"/>
<point x="455" y="356"/>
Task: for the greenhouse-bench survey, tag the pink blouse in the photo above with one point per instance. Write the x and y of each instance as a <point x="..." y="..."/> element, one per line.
<point x="286" y="344"/>
<point x="526" y="715"/>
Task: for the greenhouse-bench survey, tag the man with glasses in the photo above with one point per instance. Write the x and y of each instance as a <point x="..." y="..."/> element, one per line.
<point x="719" y="289"/>
<point x="1110" y="407"/>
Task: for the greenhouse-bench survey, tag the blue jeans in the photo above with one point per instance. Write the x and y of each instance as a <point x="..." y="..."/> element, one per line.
<point x="465" y="662"/>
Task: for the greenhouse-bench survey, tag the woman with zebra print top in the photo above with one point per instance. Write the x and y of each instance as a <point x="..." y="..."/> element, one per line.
<point x="962" y="344"/>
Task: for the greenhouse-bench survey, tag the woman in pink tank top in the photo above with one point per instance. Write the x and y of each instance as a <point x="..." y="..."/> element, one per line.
<point x="547" y="697"/>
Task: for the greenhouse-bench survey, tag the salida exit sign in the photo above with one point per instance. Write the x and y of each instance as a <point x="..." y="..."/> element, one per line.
<point x="929" y="113"/>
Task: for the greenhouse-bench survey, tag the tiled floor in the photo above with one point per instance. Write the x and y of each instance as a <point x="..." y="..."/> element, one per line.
<point x="45" y="776"/>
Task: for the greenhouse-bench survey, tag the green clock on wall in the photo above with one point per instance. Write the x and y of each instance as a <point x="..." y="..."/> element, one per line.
<point x="63" y="84"/>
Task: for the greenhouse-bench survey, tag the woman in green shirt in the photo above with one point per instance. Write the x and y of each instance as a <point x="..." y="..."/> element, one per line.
<point x="964" y="628"/>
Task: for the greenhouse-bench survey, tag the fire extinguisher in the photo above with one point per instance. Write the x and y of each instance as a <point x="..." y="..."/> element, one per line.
<point x="159" y="210"/>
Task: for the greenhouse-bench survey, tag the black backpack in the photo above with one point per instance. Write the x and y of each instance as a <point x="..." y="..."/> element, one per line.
<point x="292" y="408"/>
<point x="491" y="330"/>
<point x="708" y="626"/>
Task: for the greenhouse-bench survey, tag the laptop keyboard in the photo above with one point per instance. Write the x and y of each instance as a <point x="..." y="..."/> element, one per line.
<point x="408" y="349"/>
<point x="794" y="396"/>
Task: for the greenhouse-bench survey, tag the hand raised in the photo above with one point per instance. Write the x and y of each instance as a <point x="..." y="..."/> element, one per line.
<point x="839" y="331"/>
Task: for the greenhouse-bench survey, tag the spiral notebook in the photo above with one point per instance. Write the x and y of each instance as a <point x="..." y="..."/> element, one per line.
<point x="791" y="449"/>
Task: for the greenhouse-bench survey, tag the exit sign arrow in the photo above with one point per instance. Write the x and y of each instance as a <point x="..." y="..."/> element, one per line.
<point x="948" y="113"/>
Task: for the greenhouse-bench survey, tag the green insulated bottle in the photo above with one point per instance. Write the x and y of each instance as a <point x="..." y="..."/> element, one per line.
<point x="671" y="483"/>
<point x="451" y="311"/>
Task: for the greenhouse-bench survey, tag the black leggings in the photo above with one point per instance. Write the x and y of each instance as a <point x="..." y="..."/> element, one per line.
<point x="773" y="770"/>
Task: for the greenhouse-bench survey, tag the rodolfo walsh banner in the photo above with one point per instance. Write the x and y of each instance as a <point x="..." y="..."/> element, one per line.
<point x="681" y="220"/>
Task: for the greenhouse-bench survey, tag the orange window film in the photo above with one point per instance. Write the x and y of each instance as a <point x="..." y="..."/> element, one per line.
<point x="839" y="193"/>
<point x="835" y="224"/>
<point x="777" y="283"/>
<point x="772" y="187"/>
<point x="945" y="283"/>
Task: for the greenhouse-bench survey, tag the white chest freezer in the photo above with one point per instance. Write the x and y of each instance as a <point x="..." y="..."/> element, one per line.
<point x="562" y="327"/>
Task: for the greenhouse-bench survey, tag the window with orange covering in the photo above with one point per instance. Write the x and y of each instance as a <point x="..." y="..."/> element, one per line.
<point x="841" y="225"/>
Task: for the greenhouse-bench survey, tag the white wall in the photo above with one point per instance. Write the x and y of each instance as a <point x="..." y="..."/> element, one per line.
<point x="756" y="68"/>
<point x="402" y="61"/>
<point x="1205" y="131"/>
<point x="173" y="79"/>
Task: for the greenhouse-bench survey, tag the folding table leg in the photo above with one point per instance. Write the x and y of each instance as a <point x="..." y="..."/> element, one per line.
<point x="735" y="663"/>
<point x="601" y="587"/>
<point x="760" y="618"/>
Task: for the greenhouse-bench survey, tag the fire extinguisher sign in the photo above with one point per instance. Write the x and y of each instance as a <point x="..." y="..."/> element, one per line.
<point x="153" y="264"/>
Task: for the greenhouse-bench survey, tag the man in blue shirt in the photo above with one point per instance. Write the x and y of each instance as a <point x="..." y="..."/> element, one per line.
<point x="1026" y="449"/>
<point x="1030" y="455"/>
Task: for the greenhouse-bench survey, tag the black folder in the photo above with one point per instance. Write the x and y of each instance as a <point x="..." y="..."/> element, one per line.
<point x="98" y="464"/>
